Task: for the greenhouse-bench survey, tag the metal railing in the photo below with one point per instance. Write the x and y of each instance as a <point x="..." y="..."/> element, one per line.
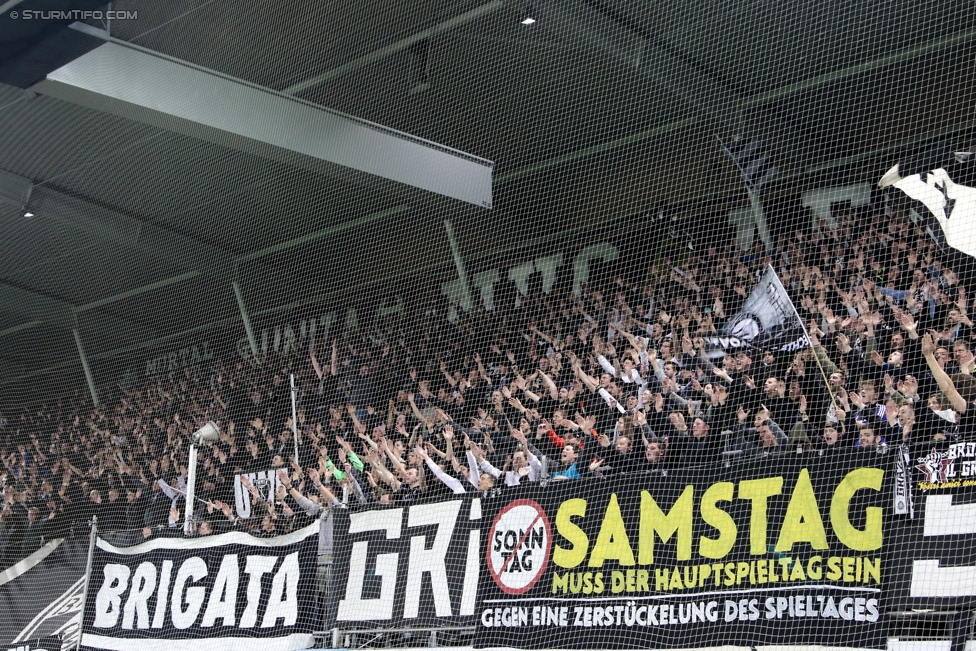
<point x="362" y="638"/>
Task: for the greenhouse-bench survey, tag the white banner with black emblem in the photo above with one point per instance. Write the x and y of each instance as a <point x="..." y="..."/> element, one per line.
<point x="947" y="210"/>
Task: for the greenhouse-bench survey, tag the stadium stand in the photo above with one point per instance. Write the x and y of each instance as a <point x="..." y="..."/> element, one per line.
<point x="561" y="386"/>
<point x="497" y="324"/>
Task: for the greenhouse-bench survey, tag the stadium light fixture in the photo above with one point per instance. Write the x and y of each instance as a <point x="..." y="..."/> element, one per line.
<point x="529" y="17"/>
<point x="15" y="193"/>
<point x="208" y="432"/>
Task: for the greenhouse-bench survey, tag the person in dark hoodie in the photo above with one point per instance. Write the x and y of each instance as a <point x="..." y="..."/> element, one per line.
<point x="35" y="531"/>
<point x="622" y="458"/>
<point x="695" y="445"/>
<point x="158" y="505"/>
<point x="135" y="509"/>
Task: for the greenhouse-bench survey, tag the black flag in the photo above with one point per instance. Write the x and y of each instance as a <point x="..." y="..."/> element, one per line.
<point x="753" y="162"/>
<point x="767" y="321"/>
<point x="757" y="169"/>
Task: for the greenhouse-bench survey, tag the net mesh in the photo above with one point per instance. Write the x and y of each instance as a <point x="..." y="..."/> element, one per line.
<point x="693" y="368"/>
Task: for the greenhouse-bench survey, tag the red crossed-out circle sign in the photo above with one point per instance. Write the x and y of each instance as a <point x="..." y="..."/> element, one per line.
<point x="518" y="546"/>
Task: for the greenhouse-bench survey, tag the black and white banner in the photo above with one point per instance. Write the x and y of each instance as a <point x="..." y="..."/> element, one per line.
<point x="231" y="592"/>
<point x="904" y="499"/>
<point x="411" y="566"/>
<point x="40" y="596"/>
<point x="767" y="321"/>
<point x="937" y="569"/>
<point x="944" y="208"/>
<point x="265" y="481"/>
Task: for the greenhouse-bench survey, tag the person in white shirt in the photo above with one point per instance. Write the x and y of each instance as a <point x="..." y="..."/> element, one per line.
<point x="451" y="482"/>
<point x="176" y="490"/>
<point x="479" y="480"/>
<point x="524" y="464"/>
<point x="628" y="372"/>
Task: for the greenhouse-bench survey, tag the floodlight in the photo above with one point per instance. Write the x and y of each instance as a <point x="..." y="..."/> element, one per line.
<point x="209" y="432"/>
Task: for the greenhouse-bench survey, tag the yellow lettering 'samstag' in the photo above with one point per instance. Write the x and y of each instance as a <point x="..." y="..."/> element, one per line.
<point x="746" y="555"/>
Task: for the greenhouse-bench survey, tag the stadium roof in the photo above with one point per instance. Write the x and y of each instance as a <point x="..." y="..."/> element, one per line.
<point x="600" y="108"/>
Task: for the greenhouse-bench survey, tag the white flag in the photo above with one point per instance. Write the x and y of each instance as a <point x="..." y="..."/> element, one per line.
<point x="947" y="210"/>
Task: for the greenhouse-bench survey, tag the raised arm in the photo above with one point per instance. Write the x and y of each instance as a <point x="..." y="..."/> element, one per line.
<point x="656" y="366"/>
<point x="415" y="433"/>
<point x="365" y="437"/>
<point x="449" y="440"/>
<point x="606" y="365"/>
<point x="354" y="459"/>
<point x="630" y="338"/>
<point x="515" y="402"/>
<point x="384" y="474"/>
<point x="472" y="462"/>
<point x="310" y="507"/>
<point x="396" y="463"/>
<point x="944" y="381"/>
<point x="432" y="449"/>
<point x="356" y="425"/>
<point x="474" y="467"/>
<point x="521" y="384"/>
<point x="413" y="406"/>
<point x="908" y="324"/>
<point x="357" y="489"/>
<point x="487" y="467"/>
<point x="585" y="378"/>
<point x="451" y="482"/>
<point x="450" y="379"/>
<point x="552" y="342"/>
<point x="315" y="364"/>
<point x="489" y="445"/>
<point x="546" y="380"/>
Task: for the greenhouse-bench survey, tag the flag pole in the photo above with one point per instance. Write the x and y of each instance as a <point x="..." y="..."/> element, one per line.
<point x="806" y="334"/>
<point x="294" y="418"/>
<point x="93" y="535"/>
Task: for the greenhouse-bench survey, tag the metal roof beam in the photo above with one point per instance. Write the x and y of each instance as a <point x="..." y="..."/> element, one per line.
<point x="137" y="84"/>
<point x="393" y="48"/>
<point x="39" y="309"/>
<point x="186" y="252"/>
<point x="137" y="291"/>
<point x="110" y="226"/>
<point x="15" y="189"/>
<point x="576" y="21"/>
<point x="700" y="90"/>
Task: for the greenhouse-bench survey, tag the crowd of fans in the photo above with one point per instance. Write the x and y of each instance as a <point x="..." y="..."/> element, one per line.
<point x="546" y="388"/>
